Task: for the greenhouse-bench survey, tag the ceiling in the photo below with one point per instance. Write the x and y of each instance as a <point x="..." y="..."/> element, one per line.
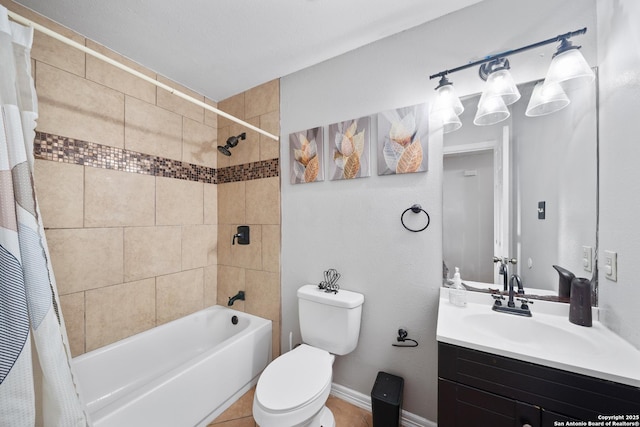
<point x="224" y="47"/>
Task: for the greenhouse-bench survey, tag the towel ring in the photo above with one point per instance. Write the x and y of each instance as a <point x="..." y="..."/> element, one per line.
<point x="415" y="209"/>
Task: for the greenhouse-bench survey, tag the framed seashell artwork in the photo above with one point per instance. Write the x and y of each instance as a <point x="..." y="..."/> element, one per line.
<point x="306" y="156"/>
<point x="403" y="136"/>
<point x="349" y="153"/>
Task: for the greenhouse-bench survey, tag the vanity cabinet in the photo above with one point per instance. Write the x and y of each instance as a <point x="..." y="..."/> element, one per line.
<point x="482" y="389"/>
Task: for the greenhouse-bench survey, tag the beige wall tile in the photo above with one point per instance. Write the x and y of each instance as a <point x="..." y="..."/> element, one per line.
<point x="247" y="256"/>
<point x="210" y="203"/>
<point x="178" y="105"/>
<point x="152" y="130"/>
<point x="151" y="251"/>
<point x="248" y="150"/>
<point x="223" y="134"/>
<point x="119" y="311"/>
<point x="231" y="203"/>
<point x="224" y="243"/>
<point x="269" y="148"/>
<point x="262" y="99"/>
<point x="263" y="201"/>
<point x="47" y="49"/>
<point x="77" y="108"/>
<point x="60" y="192"/>
<point x="233" y="105"/>
<point x="53" y="52"/>
<point x="116" y="198"/>
<point x="200" y="144"/>
<point x="179" y="294"/>
<point x="210" y="285"/>
<point x="179" y="202"/>
<point x="86" y="258"/>
<point x="271" y="248"/>
<point x="230" y="281"/>
<point x="263" y="294"/>
<point x="275" y="339"/>
<point x="101" y="72"/>
<point x="210" y="118"/>
<point x="199" y="246"/>
<point x="73" y="312"/>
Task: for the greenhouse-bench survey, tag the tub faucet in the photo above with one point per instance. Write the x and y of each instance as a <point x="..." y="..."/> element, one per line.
<point x="238" y="296"/>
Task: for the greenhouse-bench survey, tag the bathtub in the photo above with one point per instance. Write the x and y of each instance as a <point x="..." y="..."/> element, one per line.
<point x="183" y="373"/>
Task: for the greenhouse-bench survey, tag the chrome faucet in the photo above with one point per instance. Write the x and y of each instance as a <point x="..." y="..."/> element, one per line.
<point x="238" y="296"/>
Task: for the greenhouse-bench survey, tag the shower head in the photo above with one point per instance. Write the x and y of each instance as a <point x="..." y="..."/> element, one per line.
<point x="224" y="150"/>
<point x="232" y="141"/>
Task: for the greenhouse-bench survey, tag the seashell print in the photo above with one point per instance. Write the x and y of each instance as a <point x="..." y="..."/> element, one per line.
<point x="306" y="156"/>
<point x="352" y="166"/>
<point x="392" y="151"/>
<point x="403" y="135"/>
<point x="311" y="171"/>
<point x="411" y="158"/>
<point x="403" y="131"/>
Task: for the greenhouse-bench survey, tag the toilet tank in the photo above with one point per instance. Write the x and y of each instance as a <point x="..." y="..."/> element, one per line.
<point x="330" y="321"/>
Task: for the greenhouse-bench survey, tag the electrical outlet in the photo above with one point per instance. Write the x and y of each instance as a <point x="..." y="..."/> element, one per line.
<point x="587" y="258"/>
<point x="611" y="265"/>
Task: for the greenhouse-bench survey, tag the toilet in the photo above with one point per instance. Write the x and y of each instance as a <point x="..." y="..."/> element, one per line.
<point x="293" y="389"/>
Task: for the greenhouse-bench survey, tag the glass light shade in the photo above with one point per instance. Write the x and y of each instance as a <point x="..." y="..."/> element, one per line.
<point x="546" y="98"/>
<point x="447" y="98"/>
<point x="450" y="120"/>
<point x="500" y="83"/>
<point x="569" y="69"/>
<point x="491" y="110"/>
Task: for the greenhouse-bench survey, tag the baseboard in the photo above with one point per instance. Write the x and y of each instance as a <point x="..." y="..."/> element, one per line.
<point x="363" y="401"/>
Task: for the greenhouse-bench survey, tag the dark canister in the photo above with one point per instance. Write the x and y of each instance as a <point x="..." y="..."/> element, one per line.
<point x="580" y="302"/>
<point x="564" y="281"/>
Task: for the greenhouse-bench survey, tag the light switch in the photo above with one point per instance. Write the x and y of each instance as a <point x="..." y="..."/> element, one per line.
<point x="611" y="265"/>
<point x="542" y="210"/>
<point x="587" y="258"/>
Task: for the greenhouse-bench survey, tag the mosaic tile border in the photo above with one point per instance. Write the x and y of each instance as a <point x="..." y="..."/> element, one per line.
<point x="68" y="150"/>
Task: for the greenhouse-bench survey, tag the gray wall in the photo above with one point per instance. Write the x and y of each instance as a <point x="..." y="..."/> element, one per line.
<point x="354" y="226"/>
<point x="619" y="64"/>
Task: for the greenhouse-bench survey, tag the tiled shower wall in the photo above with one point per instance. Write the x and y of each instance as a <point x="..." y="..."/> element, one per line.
<point x="126" y="180"/>
<point x="254" y="268"/>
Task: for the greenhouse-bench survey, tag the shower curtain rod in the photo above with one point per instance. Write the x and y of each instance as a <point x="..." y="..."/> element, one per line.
<point x="67" y="41"/>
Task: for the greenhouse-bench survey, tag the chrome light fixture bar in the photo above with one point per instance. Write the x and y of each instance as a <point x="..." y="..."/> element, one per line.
<point x="568" y="69"/>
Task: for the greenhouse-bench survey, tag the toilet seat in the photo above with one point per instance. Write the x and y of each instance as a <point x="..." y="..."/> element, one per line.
<point x="294" y="379"/>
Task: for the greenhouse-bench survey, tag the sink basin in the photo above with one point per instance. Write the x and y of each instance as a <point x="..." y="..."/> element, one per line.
<point x="530" y="332"/>
<point x="547" y="338"/>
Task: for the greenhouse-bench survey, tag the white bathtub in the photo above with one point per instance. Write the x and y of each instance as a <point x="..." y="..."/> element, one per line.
<point x="182" y="373"/>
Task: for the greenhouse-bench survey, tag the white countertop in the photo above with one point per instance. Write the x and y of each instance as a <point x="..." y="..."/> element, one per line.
<point x="547" y="338"/>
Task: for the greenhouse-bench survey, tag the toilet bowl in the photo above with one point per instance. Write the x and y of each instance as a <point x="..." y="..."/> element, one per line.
<point x="293" y="390"/>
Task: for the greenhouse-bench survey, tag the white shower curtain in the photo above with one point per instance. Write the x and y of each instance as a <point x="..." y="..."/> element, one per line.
<point x="29" y="306"/>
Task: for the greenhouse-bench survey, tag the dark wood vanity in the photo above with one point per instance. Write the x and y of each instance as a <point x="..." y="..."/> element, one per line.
<point x="476" y="388"/>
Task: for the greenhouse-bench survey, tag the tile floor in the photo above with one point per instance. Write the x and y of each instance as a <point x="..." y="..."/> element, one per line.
<point x="346" y="414"/>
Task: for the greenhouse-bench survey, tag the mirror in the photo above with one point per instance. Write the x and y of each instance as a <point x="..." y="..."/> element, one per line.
<point x="522" y="189"/>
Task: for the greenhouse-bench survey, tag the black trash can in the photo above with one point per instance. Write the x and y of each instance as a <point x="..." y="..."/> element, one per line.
<point x="386" y="400"/>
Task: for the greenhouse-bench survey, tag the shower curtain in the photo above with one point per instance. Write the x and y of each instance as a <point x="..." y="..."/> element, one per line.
<point x="29" y="307"/>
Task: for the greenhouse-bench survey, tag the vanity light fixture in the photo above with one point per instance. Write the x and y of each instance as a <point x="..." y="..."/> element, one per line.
<point x="546" y="98"/>
<point x="567" y="71"/>
<point x="447" y="105"/>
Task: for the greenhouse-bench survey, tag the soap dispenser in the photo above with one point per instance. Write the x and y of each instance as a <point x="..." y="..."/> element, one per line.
<point x="580" y="302"/>
<point x="564" y="283"/>
<point x="458" y="293"/>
